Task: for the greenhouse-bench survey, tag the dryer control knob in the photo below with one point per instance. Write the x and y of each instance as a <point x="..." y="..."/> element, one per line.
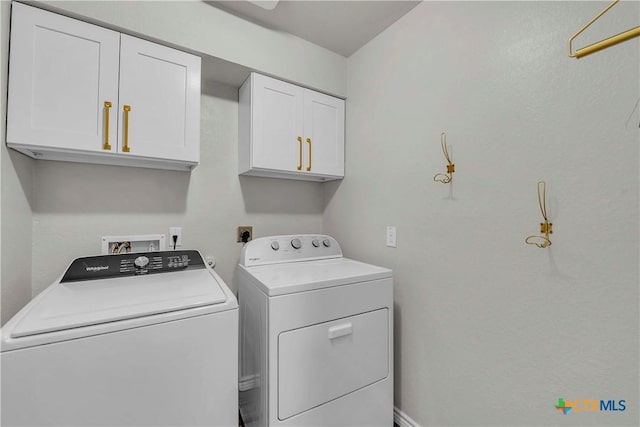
<point x="275" y="246"/>
<point x="141" y="261"/>
<point x="315" y="243"/>
<point x="296" y="244"/>
<point x="326" y="243"/>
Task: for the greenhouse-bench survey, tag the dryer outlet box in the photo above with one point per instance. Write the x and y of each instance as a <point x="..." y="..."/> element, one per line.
<point x="241" y="233"/>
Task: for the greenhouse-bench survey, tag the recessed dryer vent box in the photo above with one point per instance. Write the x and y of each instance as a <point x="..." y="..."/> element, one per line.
<point x="130" y="244"/>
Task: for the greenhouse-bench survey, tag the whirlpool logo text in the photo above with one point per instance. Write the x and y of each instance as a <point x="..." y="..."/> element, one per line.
<point x="590" y="405"/>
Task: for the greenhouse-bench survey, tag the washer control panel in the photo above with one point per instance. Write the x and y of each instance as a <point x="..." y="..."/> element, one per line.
<point x="131" y="264"/>
<point x="298" y="247"/>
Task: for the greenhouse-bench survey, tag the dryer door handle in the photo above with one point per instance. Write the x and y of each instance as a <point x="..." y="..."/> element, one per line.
<point x="340" y="330"/>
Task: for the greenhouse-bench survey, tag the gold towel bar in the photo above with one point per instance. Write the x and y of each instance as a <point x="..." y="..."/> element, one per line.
<point x="603" y="44"/>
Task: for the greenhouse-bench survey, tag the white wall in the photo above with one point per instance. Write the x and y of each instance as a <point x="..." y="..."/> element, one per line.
<point x="75" y="204"/>
<point x="16" y="197"/>
<point x="490" y="331"/>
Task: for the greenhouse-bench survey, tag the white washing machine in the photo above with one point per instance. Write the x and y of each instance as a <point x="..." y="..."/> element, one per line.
<point x="316" y="335"/>
<point x="124" y="340"/>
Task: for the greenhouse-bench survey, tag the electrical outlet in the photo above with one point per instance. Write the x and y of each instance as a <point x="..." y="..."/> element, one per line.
<point x="241" y="236"/>
<point x="175" y="231"/>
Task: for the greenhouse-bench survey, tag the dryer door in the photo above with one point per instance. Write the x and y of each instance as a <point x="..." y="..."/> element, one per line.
<point x="323" y="362"/>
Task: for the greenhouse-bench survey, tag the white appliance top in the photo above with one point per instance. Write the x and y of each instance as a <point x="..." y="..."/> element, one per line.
<point x="109" y="288"/>
<point x="294" y="248"/>
<point x="284" y="268"/>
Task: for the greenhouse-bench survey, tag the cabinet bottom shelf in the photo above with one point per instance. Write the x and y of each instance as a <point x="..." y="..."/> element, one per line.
<point x="113" y="159"/>
<point x="308" y="176"/>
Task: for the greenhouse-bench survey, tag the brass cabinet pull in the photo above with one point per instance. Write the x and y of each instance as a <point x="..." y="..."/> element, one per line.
<point x="300" y="149"/>
<point x="309" y="142"/>
<point x="106" y="145"/>
<point x="125" y="146"/>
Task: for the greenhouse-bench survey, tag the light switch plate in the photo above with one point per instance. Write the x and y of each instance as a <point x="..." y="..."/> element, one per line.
<point x="391" y="236"/>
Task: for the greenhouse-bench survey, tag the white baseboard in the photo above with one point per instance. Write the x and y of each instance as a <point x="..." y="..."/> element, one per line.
<point x="402" y="419"/>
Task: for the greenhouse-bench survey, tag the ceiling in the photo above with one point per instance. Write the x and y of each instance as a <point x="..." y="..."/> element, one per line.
<point x="340" y="26"/>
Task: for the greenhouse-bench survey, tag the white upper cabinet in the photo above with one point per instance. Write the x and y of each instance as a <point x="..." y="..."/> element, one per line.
<point x="324" y="133"/>
<point x="277" y="125"/>
<point x="79" y="92"/>
<point x="287" y="131"/>
<point x="61" y="72"/>
<point x="161" y="87"/>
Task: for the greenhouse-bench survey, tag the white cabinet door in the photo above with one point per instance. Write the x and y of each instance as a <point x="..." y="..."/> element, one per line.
<point x="286" y="131"/>
<point x="161" y="87"/>
<point x="61" y="73"/>
<point x="277" y="125"/>
<point x="324" y="133"/>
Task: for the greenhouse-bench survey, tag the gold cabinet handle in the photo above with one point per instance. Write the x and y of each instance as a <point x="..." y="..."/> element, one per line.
<point x="309" y="142"/>
<point x="106" y="145"/>
<point x="300" y="150"/>
<point x="125" y="146"/>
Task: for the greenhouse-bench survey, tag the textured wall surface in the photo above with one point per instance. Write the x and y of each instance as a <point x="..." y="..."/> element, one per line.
<point x="76" y="204"/>
<point x="16" y="198"/>
<point x="490" y="331"/>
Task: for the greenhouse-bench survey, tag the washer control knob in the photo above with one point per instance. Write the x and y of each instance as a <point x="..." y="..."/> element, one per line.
<point x="141" y="261"/>
<point x="275" y="246"/>
<point x="315" y="243"/>
<point x="326" y="243"/>
<point x="296" y="244"/>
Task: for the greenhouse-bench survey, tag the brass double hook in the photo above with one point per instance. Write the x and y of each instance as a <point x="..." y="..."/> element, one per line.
<point x="545" y="227"/>
<point x="451" y="168"/>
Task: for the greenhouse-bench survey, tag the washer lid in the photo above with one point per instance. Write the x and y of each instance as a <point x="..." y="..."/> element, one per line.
<point x="287" y="278"/>
<point x="82" y="303"/>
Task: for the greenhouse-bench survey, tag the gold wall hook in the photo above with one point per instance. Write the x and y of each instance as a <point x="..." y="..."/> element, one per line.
<point x="451" y="168"/>
<point x="603" y="44"/>
<point x="540" y="241"/>
<point x="546" y="227"/>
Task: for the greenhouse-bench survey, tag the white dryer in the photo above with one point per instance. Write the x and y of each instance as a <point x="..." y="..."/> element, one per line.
<point x="316" y="343"/>
<point x="124" y="340"/>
